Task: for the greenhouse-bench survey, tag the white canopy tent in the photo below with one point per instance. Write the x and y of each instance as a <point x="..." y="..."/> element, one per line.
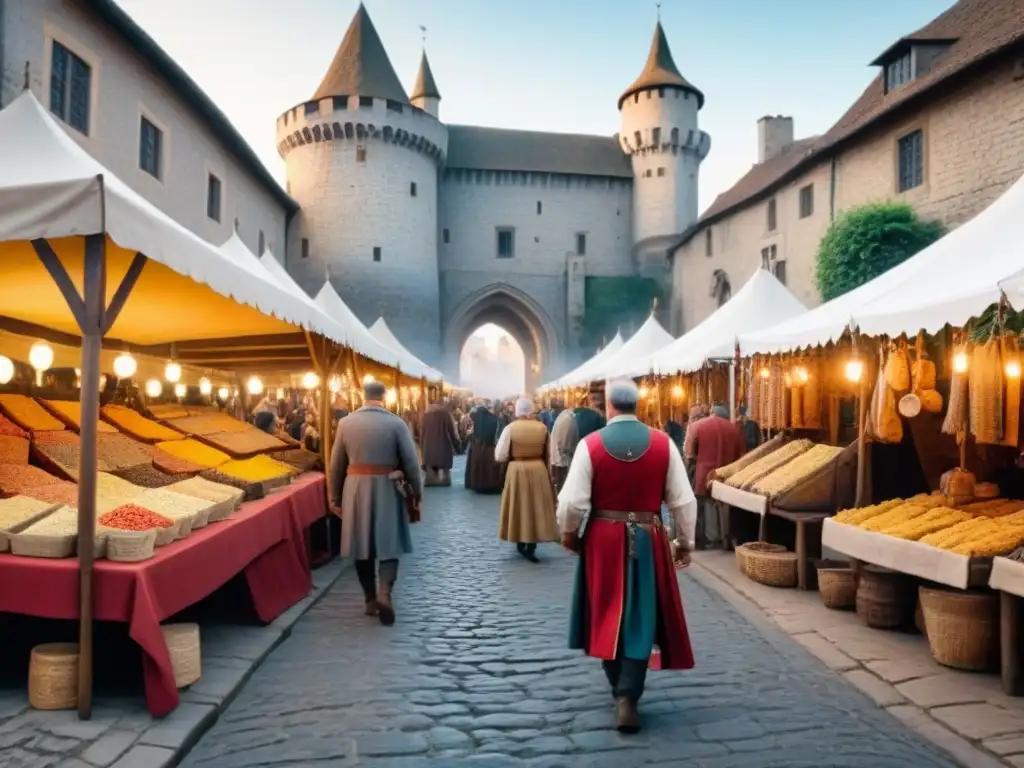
<point x="578" y="375"/>
<point x="382" y="333"/>
<point x="951" y="281"/>
<point x="762" y="301"/>
<point x="649" y="338"/>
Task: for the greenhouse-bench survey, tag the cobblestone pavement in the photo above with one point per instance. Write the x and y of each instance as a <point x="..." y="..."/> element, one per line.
<point x="476" y="672"/>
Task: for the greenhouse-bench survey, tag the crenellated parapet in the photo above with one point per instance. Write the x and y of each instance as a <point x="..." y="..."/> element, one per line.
<point x="665" y="140"/>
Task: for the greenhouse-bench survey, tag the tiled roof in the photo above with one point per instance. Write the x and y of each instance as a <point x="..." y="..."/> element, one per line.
<point x="425" y="85"/>
<point x="979" y="28"/>
<point x="660" y="70"/>
<point x="361" y="66"/>
<point x="500" y="149"/>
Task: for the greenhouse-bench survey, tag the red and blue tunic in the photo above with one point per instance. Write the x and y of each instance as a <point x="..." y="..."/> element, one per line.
<point x="626" y="600"/>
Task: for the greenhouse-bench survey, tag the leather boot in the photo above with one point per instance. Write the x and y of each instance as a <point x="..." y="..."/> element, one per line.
<point x="371" y="607"/>
<point x="386" y="610"/>
<point x="627" y="719"/>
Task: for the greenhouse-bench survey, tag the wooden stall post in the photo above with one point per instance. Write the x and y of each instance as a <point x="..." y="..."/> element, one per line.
<point x="94" y="319"/>
<point x="1009" y="643"/>
<point x="862" y="462"/>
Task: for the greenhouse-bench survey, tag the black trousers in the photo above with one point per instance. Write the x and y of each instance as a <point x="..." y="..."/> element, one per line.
<point x="626" y="677"/>
<point x="366" y="571"/>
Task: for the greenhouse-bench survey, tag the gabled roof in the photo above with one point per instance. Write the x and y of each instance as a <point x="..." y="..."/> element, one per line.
<point x="660" y="70"/>
<point x="425" y="86"/>
<point x="500" y="149"/>
<point x="979" y="29"/>
<point x="361" y="66"/>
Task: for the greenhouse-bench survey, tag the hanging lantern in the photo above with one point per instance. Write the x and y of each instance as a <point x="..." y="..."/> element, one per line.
<point x="1013" y="369"/>
<point x="854" y="370"/>
<point x="125" y="366"/>
<point x="223" y="393"/>
<point x="172" y="372"/>
<point x="644" y="391"/>
<point x="205" y="386"/>
<point x="334" y="384"/>
<point x="801" y="374"/>
<point x="103" y="381"/>
<point x="180" y="390"/>
<point x="960" y="361"/>
<point x="254" y="385"/>
<point x="765" y="373"/>
<point x="154" y="388"/>
<point x="41" y="356"/>
<point x="280" y="393"/>
<point x="310" y="381"/>
<point x="368" y="378"/>
<point x="677" y="392"/>
<point x="6" y="370"/>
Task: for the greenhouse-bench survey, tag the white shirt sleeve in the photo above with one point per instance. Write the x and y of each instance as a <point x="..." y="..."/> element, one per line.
<point x="679" y="497"/>
<point x="574" y="498"/>
<point x="504" y="446"/>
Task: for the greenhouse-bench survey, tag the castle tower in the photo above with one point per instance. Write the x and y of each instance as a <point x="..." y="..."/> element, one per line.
<point x="660" y="133"/>
<point x="362" y="162"/>
<point x="425" y="94"/>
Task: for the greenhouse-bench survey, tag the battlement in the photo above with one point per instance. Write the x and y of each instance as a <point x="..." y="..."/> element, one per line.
<point x="658" y="140"/>
<point x="543" y="180"/>
<point x="358" y="118"/>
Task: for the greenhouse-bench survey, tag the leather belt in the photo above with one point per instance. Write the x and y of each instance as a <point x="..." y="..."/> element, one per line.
<point x="638" y="518"/>
<point x="370" y="469"/>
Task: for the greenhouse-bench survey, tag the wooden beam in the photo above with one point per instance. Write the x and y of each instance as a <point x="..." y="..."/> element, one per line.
<point x="284" y="353"/>
<point x="61" y="277"/>
<point x="123" y="291"/>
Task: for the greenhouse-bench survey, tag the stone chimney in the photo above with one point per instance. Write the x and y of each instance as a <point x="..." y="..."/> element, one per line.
<point x="774" y="135"/>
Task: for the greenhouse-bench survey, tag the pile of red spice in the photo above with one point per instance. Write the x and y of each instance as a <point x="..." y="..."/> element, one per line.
<point x="132" y="517"/>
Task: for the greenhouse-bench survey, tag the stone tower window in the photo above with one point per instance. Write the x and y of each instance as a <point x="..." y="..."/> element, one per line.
<point x="807" y="201"/>
<point x="213" y="197"/>
<point x="656" y="137"/>
<point x="540" y="207"/>
<point x="311" y="108"/>
<point x="661" y="171"/>
<point x="261" y="244"/>
<point x="339" y="102"/>
<point x="445" y="236"/>
<point x="708" y="244"/>
<point x="360" y="154"/>
<point x="771" y="215"/>
<point x="675" y="137"/>
<point x="366" y="101"/>
<point x="412" y="189"/>
<point x="506" y="243"/>
<point x="305" y="247"/>
<point x="647" y="173"/>
<point x="581" y="243"/>
<point x="911" y="161"/>
<point x="376" y="253"/>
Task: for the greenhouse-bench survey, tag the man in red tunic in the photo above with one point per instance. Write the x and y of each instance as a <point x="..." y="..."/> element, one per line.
<point x="626" y="602"/>
<point x="715" y="442"/>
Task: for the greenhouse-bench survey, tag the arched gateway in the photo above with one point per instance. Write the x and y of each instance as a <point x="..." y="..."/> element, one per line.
<point x="515" y="311"/>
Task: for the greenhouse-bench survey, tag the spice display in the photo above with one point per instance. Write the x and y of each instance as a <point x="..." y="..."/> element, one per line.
<point x="933" y="520"/>
<point x="138" y="426"/>
<point x="767" y="464"/>
<point x="985" y="393"/>
<point x="119" y="451"/>
<point x="195" y="452"/>
<point x="792" y="472"/>
<point x="244" y="443"/>
<point x="70" y="412"/>
<point x="209" y="424"/>
<point x="299" y="459"/>
<point x="172" y="465"/>
<point x="173" y="505"/>
<point x="13" y="450"/>
<point x="18" y="509"/>
<point x="61" y="522"/>
<point x="147" y="476"/>
<point x="132" y="517"/>
<point x="63" y="451"/>
<point x="9" y="429"/>
<point x="252" y="491"/>
<point x="27" y="413"/>
<point x="202" y="488"/>
<point x="724" y="473"/>
<point x="168" y="411"/>
<point x="14" y="478"/>
<point x="258" y="469"/>
<point x="858" y="515"/>
<point x="111" y="485"/>
<point x="59" y="492"/>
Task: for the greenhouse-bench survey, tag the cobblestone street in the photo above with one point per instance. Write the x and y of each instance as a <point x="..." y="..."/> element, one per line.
<point x="476" y="672"/>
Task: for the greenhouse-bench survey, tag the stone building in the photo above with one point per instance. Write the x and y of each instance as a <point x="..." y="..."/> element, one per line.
<point x="941" y="127"/>
<point x="438" y="228"/>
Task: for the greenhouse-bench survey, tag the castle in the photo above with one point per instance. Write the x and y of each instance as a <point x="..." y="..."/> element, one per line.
<point x="441" y="228"/>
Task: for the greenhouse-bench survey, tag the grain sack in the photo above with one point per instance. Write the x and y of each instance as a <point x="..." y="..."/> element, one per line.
<point x="884" y="421"/>
<point x="985" y="393"/>
<point x="931" y="401"/>
<point x="923" y="375"/>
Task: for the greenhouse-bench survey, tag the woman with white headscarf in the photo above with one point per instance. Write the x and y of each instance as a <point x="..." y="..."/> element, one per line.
<point x="528" y="501"/>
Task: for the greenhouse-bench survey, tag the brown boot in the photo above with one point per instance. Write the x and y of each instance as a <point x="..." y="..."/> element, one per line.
<point x="384" y="605"/>
<point x="627" y="719"/>
<point x="371" y="608"/>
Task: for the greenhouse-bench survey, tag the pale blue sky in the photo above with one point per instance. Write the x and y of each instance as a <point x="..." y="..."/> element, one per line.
<point x="553" y="65"/>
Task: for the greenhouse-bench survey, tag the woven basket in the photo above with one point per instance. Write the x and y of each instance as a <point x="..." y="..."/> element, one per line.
<point x="884" y="598"/>
<point x="773" y="569"/>
<point x="40" y="545"/>
<point x="184" y="649"/>
<point x="53" y="676"/>
<point x="837" y="585"/>
<point x="130" y="546"/>
<point x="754" y="546"/>
<point x="919" y="618"/>
<point x="962" y="628"/>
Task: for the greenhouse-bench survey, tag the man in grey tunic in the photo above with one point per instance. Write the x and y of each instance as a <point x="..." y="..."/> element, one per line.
<point x="370" y="444"/>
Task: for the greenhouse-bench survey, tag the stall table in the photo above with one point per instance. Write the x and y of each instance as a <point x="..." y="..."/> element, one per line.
<point x="1008" y="577"/>
<point x="801" y="520"/>
<point x="264" y="540"/>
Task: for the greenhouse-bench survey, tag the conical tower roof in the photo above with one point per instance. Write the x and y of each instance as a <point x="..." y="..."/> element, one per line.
<point x="660" y="71"/>
<point x="361" y="66"/>
<point x="425" y="86"/>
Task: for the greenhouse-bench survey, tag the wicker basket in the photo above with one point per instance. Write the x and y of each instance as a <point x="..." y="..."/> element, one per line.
<point x="963" y="628"/>
<point x="184" y="649"/>
<point x="130" y="546"/>
<point x="919" y="618"/>
<point x="754" y="546"/>
<point x="884" y="598"/>
<point x="53" y="676"/>
<point x="773" y="569"/>
<point x="837" y="585"/>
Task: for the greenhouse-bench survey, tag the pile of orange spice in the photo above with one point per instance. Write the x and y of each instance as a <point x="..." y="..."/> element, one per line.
<point x="132" y="517"/>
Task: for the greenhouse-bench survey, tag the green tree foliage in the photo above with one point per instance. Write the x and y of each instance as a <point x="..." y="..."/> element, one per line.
<point x="864" y="242"/>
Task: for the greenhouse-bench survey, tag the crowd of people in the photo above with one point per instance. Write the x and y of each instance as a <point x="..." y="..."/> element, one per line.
<point x="592" y="478"/>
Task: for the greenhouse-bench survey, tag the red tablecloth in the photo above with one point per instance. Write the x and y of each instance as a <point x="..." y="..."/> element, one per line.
<point x="264" y="539"/>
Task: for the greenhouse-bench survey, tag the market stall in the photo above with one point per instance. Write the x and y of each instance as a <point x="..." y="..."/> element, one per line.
<point x="582" y="374"/>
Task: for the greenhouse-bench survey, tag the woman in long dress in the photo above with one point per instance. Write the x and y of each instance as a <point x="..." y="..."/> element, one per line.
<point x="483" y="473"/>
<point x="528" y="500"/>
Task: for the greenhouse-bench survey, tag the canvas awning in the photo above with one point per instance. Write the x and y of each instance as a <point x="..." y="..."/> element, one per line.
<point x="650" y="337"/>
<point x="579" y="374"/>
<point x="380" y="331"/>
<point x="762" y="301"/>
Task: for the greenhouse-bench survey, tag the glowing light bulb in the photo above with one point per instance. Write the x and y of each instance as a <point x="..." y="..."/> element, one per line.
<point x="154" y="388"/>
<point x="1013" y="369"/>
<point x="310" y="381"/>
<point x="960" y="362"/>
<point x="41" y="356"/>
<point x="334" y="384"/>
<point x="103" y="381"/>
<point x="254" y="385"/>
<point x="6" y="370"/>
<point x="765" y="373"/>
<point x="223" y="393"/>
<point x="391" y="396"/>
<point x="644" y="391"/>
<point x="368" y="378"/>
<point x="280" y="393"/>
<point x="180" y="389"/>
<point x="801" y="374"/>
<point x="677" y="391"/>
<point x="205" y="386"/>
<point x="125" y="366"/>
<point x="854" y="370"/>
<point x="172" y="373"/>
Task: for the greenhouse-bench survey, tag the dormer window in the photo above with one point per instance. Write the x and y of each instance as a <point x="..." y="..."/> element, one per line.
<point x="899" y="72"/>
<point x="909" y="59"/>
